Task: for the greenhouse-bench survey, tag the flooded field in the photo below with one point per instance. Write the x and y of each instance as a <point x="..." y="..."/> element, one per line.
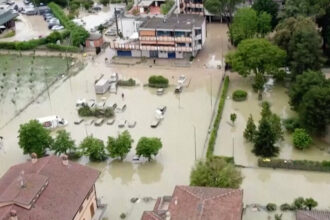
<point x="22" y="78"/>
<point x="120" y="181"/>
<point x="263" y="185"/>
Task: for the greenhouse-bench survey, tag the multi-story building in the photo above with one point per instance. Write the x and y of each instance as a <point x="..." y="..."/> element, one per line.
<point x="177" y="36"/>
<point x="49" y="188"/>
<point x="191" y="7"/>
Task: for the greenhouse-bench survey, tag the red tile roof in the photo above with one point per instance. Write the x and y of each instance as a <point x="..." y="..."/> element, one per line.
<point x="51" y="190"/>
<point x="312" y="215"/>
<point x="201" y="203"/>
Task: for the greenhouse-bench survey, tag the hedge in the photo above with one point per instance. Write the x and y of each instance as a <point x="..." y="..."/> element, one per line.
<point x="308" y="165"/>
<point x="78" y="33"/>
<point x="216" y="124"/>
<point x="63" y="48"/>
<point x="129" y="82"/>
<point x="86" y="111"/>
<point x="239" y="95"/>
<point x="158" y="82"/>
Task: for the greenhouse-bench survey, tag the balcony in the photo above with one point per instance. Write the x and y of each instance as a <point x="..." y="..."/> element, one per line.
<point x="194" y="5"/>
<point x="125" y="46"/>
<point x="164" y="39"/>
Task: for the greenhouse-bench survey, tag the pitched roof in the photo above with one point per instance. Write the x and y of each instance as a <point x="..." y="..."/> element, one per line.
<point x="6" y="15"/>
<point x="46" y="189"/>
<point x="201" y="203"/>
<point x="312" y="215"/>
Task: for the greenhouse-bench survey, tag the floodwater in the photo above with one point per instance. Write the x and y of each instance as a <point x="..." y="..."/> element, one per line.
<point x="268" y="185"/>
<point x="120" y="181"/>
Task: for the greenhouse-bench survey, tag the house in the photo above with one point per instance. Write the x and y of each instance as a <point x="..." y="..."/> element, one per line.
<point x="198" y="203"/>
<point x="49" y="188"/>
<point x="312" y="215"/>
<point x="176" y="36"/>
<point x="95" y="40"/>
<point x="7" y="19"/>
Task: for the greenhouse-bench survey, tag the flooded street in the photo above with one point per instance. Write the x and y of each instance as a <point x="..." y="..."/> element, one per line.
<point x="263" y="185"/>
<point x="120" y="181"/>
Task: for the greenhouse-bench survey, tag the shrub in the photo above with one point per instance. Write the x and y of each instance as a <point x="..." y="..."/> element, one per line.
<point x="86" y="111"/>
<point x="213" y="136"/>
<point x="301" y="140"/>
<point x="291" y="124"/>
<point x="158" y="81"/>
<point x="271" y="207"/>
<point x="108" y="112"/>
<point x="239" y="95"/>
<point x="166" y="7"/>
<point x="285" y="207"/>
<point x="63" y="48"/>
<point x="299" y="203"/>
<point x="129" y="82"/>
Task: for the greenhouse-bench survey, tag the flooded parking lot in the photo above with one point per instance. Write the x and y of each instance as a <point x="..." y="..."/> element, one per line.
<point x="120" y="181"/>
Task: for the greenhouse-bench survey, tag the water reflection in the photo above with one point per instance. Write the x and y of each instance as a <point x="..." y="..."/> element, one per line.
<point x="150" y="172"/>
<point x="122" y="170"/>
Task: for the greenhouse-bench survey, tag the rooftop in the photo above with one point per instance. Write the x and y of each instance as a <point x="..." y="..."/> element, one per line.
<point x="198" y="203"/>
<point x="46" y="189"/>
<point x="6" y="15"/>
<point x="312" y="215"/>
<point x="178" y="21"/>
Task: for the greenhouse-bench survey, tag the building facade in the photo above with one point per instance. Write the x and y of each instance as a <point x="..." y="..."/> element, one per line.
<point x="191" y="7"/>
<point x="7" y="19"/>
<point x="178" y="36"/>
<point x="49" y="188"/>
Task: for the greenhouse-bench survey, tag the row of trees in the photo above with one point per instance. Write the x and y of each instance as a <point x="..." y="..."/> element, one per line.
<point x="34" y="138"/>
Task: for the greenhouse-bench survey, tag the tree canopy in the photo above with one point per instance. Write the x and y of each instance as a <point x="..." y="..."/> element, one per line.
<point x="269" y="6"/>
<point x="301" y="40"/>
<point x="148" y="147"/>
<point x="34" y="138"/>
<point x="248" y="24"/>
<point x="221" y="7"/>
<point x="120" y="146"/>
<point x="215" y="172"/>
<point x="63" y="143"/>
<point x="257" y="56"/>
<point x="94" y="148"/>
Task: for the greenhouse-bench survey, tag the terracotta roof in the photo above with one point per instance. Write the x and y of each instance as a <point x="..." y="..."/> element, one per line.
<point x="200" y="203"/>
<point x="312" y="215"/>
<point x="50" y="190"/>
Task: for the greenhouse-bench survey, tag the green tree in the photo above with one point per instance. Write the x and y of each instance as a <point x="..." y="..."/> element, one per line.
<point x="233" y="117"/>
<point x="299" y="203"/>
<point x="310" y="203"/>
<point x="265" y="140"/>
<point x="257" y="56"/>
<point x="215" y="172"/>
<point x="250" y="130"/>
<point x="303" y="84"/>
<point x="273" y="119"/>
<point x="94" y="148"/>
<point x="314" y="110"/>
<point x="302" y="42"/>
<point x="301" y="139"/>
<point x="264" y="23"/>
<point x="224" y="8"/>
<point x="63" y="143"/>
<point x="104" y="2"/>
<point x="34" y="138"/>
<point x="269" y="6"/>
<point x="120" y="146"/>
<point x="148" y="147"/>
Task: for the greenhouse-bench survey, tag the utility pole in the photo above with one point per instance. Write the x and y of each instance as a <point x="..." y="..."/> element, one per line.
<point x="116" y="21"/>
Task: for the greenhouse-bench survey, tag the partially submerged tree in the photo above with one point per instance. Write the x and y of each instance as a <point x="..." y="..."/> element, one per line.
<point x="94" y="148"/>
<point x="215" y="172"/>
<point x="63" y="143"/>
<point x="269" y="6"/>
<point x="301" y="139"/>
<point x="233" y="117"/>
<point x="222" y="8"/>
<point x="256" y="56"/>
<point x="34" y="138"/>
<point x="120" y="146"/>
<point x="250" y="130"/>
<point x="148" y="147"/>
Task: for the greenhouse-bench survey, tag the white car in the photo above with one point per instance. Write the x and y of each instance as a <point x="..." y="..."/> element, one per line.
<point x="181" y="79"/>
<point x="57" y="27"/>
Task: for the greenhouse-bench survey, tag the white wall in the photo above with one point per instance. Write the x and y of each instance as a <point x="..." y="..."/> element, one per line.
<point x="162" y="54"/>
<point x="136" y="53"/>
<point x="128" y="26"/>
<point x="145" y="53"/>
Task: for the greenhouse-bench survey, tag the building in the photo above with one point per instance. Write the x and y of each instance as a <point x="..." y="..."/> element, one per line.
<point x="7" y="19"/>
<point x="178" y="36"/>
<point x="312" y="215"/>
<point x="49" y="188"/>
<point x="95" y="40"/>
<point x="191" y="7"/>
<point x="198" y="203"/>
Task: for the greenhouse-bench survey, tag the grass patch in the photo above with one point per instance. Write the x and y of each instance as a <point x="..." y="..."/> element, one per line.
<point x="9" y="34"/>
<point x="166" y="7"/>
<point x="214" y="132"/>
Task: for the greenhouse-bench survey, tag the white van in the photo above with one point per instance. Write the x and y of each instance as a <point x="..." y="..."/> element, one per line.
<point x="53" y="121"/>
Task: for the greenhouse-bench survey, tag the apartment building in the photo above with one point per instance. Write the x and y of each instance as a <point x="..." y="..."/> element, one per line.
<point x="177" y="36"/>
<point x="49" y="188"/>
<point x="191" y="7"/>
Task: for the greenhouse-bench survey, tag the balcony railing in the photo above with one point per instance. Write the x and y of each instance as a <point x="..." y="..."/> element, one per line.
<point x="165" y="38"/>
<point x="194" y="5"/>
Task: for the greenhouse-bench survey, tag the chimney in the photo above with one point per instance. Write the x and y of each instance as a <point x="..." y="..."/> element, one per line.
<point x="13" y="215"/>
<point x="168" y="215"/>
<point x="65" y="160"/>
<point x="34" y="158"/>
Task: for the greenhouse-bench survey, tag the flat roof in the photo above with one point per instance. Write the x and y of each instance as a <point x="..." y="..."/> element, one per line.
<point x="178" y="21"/>
<point x="6" y="15"/>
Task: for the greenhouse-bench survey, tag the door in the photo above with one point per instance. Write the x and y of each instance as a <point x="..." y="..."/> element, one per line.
<point x="92" y="210"/>
<point x="154" y="54"/>
<point x="171" y="55"/>
<point x="124" y="53"/>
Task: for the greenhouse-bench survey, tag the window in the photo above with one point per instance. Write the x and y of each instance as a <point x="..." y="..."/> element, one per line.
<point x="92" y="210"/>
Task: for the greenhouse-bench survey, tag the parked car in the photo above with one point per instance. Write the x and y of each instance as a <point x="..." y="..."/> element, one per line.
<point x="162" y="109"/>
<point x="30" y="12"/>
<point x="121" y="108"/>
<point x="78" y="121"/>
<point x="121" y="123"/>
<point x="160" y="91"/>
<point x="131" y="124"/>
<point x="10" y="2"/>
<point x="178" y="89"/>
<point x="57" y="27"/>
<point x="26" y="2"/>
<point x="91" y="103"/>
<point x="111" y="121"/>
<point x="155" y="123"/>
<point x="99" y="122"/>
<point x="110" y="33"/>
<point x="181" y="79"/>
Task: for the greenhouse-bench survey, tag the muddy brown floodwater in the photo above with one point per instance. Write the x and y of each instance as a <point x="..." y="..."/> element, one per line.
<point x="120" y="181"/>
<point x="268" y="185"/>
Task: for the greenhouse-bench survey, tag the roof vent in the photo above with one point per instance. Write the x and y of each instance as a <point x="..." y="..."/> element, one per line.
<point x="13" y="214"/>
<point x="65" y="160"/>
<point x="34" y="158"/>
<point x="21" y="179"/>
